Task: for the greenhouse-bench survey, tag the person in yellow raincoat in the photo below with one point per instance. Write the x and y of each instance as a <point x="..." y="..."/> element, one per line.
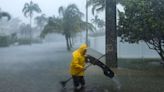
<point x="77" y="66"/>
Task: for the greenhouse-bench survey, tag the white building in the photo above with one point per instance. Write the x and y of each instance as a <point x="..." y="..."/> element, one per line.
<point x="124" y="50"/>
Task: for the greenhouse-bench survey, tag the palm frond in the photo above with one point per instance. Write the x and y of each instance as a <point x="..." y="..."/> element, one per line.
<point x="36" y="8"/>
<point x="73" y="6"/>
<point x="26" y="5"/>
<point x="102" y="8"/>
<point x="98" y="5"/>
<point x="5" y="14"/>
<point x="26" y="13"/>
<point x="61" y="10"/>
<point x="91" y="27"/>
<point x="29" y="8"/>
<point x="94" y="7"/>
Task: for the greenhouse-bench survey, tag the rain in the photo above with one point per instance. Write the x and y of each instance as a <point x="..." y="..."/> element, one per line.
<point x="124" y="39"/>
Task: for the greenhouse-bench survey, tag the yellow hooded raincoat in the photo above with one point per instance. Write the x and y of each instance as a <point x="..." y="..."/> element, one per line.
<point x="78" y="61"/>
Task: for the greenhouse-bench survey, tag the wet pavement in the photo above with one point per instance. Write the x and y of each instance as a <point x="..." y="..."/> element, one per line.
<point x="37" y="68"/>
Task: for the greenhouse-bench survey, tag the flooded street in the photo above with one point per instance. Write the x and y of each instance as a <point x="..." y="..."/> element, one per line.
<point x="35" y="68"/>
<point x="41" y="67"/>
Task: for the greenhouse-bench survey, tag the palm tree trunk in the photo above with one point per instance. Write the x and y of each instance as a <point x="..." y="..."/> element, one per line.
<point x="111" y="34"/>
<point x="30" y="29"/>
<point x="67" y="42"/>
<point x="70" y="42"/>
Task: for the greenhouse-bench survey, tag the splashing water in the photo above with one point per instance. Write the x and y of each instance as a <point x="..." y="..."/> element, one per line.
<point x="115" y="79"/>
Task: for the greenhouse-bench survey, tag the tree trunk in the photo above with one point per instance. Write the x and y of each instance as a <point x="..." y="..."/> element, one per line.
<point x="70" y="43"/>
<point x="161" y="52"/>
<point x="72" y="40"/>
<point x="30" y="29"/>
<point x="162" y="57"/>
<point x="157" y="48"/>
<point x="67" y="42"/>
<point x="111" y="34"/>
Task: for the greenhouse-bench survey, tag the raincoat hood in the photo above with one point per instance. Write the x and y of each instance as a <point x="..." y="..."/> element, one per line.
<point x="82" y="48"/>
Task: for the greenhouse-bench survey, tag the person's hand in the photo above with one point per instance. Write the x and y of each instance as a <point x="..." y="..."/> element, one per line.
<point x="90" y="59"/>
<point x="82" y="69"/>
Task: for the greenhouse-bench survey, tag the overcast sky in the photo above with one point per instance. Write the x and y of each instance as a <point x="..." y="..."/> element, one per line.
<point x="48" y="7"/>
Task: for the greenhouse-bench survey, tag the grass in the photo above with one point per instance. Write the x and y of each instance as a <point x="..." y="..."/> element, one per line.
<point x="139" y="63"/>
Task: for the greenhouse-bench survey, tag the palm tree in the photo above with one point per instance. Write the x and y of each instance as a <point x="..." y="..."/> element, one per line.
<point x="111" y="33"/>
<point x="69" y="23"/>
<point x="72" y="17"/>
<point x="98" y="22"/>
<point x="28" y="10"/>
<point x="41" y="21"/>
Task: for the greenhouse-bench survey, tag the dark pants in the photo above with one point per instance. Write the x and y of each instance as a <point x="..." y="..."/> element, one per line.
<point x="78" y="80"/>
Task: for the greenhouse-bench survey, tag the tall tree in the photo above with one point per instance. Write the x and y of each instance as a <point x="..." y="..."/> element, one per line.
<point x="69" y="23"/>
<point x="143" y="20"/>
<point x="111" y="34"/>
<point x="71" y="17"/>
<point x="28" y="10"/>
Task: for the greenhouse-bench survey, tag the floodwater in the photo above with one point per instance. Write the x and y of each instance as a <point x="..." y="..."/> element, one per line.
<point x="41" y="67"/>
<point x="33" y="68"/>
<point x="38" y="68"/>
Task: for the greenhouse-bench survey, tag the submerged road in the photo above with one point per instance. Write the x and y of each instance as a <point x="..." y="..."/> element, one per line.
<point x="35" y="68"/>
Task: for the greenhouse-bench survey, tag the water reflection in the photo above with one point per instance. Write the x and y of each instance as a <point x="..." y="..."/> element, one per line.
<point x="86" y="89"/>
